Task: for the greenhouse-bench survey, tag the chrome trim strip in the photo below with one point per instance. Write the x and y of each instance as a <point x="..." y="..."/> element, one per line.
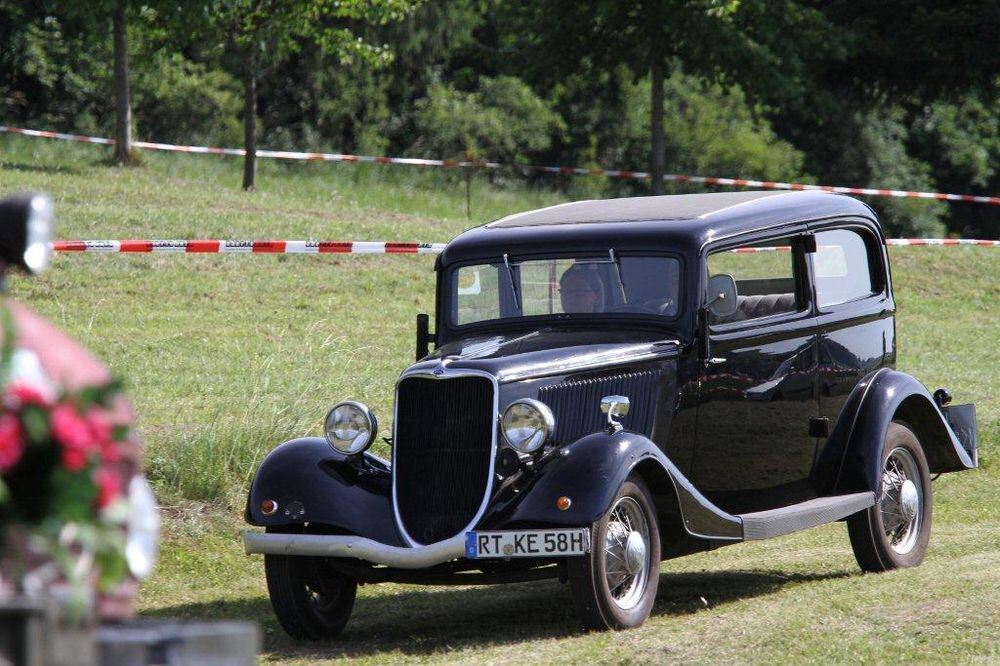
<point x="441" y="371"/>
<point x="327" y="545"/>
<point x="633" y="354"/>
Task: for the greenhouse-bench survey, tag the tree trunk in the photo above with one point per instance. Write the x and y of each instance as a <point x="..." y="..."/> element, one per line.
<point x="249" y="117"/>
<point x="123" y="105"/>
<point x="657" y="148"/>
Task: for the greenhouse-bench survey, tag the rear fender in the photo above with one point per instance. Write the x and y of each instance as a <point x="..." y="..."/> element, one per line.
<point x="856" y="439"/>
<point x="589" y="472"/>
<point x="313" y="483"/>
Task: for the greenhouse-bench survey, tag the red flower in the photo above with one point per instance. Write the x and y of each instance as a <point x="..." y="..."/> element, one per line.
<point x="25" y="394"/>
<point x="74" y="459"/>
<point x="11" y="441"/>
<point x="109" y="486"/>
<point x="111" y="451"/>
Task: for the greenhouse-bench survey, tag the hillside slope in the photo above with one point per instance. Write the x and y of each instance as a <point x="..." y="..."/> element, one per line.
<point x="225" y="356"/>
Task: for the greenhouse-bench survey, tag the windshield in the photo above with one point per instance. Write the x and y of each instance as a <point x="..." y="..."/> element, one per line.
<point x="564" y="286"/>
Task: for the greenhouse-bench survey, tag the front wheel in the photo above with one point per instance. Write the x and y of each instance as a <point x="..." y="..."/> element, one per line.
<point x="614" y="586"/>
<point x="311" y="601"/>
<point x="894" y="533"/>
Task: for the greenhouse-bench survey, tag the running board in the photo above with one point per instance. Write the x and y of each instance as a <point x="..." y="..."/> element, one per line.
<point x="775" y="522"/>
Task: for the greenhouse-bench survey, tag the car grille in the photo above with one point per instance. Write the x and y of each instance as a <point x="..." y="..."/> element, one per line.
<point x="576" y="404"/>
<point x="442" y="450"/>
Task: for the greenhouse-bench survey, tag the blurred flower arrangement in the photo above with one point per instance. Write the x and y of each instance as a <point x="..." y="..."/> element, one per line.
<point x="62" y="508"/>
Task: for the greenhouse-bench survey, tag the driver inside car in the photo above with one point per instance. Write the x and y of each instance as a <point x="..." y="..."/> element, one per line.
<point x="580" y="290"/>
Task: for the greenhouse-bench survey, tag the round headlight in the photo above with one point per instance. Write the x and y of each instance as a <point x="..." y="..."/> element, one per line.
<point x="350" y="427"/>
<point x="526" y="424"/>
<point x="142" y="544"/>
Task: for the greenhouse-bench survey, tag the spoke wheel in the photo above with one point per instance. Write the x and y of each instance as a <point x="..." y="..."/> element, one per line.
<point x="626" y="553"/>
<point x="901" y="500"/>
<point x="895" y="532"/>
<point x="614" y="586"/>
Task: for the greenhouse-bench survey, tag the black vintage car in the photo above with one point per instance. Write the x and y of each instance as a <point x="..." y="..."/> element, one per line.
<point x="614" y="383"/>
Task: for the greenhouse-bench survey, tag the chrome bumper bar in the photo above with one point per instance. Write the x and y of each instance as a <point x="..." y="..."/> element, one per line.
<point x="327" y="545"/>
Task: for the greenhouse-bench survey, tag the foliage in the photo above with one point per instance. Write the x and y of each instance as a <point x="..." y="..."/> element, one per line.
<point x="864" y="94"/>
<point x="180" y="101"/>
<point x="711" y="129"/>
<point x="501" y="120"/>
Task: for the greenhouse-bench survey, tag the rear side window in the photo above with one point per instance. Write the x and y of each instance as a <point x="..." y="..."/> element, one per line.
<point x="842" y="266"/>
<point x="765" y="278"/>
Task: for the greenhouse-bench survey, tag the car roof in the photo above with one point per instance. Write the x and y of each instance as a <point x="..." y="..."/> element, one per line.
<point x="682" y="222"/>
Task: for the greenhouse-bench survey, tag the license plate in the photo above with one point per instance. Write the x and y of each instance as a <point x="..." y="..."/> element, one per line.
<point x="527" y="543"/>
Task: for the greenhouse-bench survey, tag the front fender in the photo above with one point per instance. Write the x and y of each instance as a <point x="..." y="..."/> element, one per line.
<point x="313" y="483"/>
<point x="590" y="471"/>
<point x="861" y="428"/>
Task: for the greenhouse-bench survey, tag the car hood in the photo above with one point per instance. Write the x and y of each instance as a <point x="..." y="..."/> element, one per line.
<point x="544" y="352"/>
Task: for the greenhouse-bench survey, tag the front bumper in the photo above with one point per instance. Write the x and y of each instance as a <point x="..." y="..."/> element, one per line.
<point x="328" y="545"/>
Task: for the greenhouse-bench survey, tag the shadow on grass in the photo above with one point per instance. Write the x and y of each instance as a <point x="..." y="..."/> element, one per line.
<point x="40" y="168"/>
<point x="422" y="621"/>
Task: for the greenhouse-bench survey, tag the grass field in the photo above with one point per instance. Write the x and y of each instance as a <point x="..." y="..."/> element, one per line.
<point x="228" y="355"/>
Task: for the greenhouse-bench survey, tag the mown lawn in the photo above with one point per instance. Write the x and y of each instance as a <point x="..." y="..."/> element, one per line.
<point x="228" y="355"/>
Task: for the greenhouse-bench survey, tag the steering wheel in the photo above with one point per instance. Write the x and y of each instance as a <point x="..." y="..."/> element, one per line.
<point x="658" y="306"/>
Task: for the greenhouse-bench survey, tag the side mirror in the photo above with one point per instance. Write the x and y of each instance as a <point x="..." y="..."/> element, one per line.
<point x="26" y="231"/>
<point x="722" y="295"/>
<point x="424" y="336"/>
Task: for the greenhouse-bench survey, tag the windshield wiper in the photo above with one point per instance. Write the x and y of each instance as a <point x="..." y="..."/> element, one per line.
<point x="618" y="272"/>
<point x="513" y="287"/>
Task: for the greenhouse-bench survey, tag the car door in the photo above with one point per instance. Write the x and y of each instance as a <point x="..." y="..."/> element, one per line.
<point x="855" y="320"/>
<point x="753" y="448"/>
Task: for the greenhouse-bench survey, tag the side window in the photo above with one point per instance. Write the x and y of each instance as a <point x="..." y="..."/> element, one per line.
<point x="765" y="276"/>
<point x="843" y="271"/>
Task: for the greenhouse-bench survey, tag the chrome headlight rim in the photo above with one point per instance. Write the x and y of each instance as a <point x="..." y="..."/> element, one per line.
<point x="351" y="447"/>
<point x="547" y="421"/>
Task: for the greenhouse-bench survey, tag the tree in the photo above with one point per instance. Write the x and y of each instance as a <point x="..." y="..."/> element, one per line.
<point x="266" y="32"/>
<point x="123" y="102"/>
<point x="757" y="44"/>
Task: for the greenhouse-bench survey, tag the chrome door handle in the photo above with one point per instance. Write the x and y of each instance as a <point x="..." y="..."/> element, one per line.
<point x="715" y="360"/>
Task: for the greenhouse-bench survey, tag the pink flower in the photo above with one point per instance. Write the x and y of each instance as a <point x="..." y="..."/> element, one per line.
<point x="109" y="486"/>
<point x="71" y="429"/>
<point x="75" y="434"/>
<point x="100" y="425"/>
<point x="111" y="451"/>
<point x="11" y="441"/>
<point x="25" y="394"/>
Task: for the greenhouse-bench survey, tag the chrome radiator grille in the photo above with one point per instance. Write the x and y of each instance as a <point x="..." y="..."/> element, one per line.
<point x="442" y="453"/>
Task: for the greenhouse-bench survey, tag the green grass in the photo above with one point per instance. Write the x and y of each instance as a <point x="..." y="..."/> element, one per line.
<point x="228" y="355"/>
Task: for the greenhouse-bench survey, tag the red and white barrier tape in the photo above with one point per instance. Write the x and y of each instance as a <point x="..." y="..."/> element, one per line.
<point x="247" y="247"/>
<point x="572" y="171"/>
<point x="361" y="247"/>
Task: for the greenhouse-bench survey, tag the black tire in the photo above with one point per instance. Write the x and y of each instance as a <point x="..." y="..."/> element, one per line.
<point x="874" y="548"/>
<point x="311" y="601"/>
<point x="595" y="601"/>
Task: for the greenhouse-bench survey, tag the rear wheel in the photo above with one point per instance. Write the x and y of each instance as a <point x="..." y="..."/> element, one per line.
<point x="895" y="532"/>
<point x="310" y="600"/>
<point x="614" y="586"/>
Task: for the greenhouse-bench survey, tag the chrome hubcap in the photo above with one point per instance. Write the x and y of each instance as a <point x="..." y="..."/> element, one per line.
<point x="901" y="501"/>
<point x="626" y="555"/>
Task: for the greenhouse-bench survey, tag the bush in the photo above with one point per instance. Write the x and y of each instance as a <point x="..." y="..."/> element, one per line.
<point x="501" y="120"/>
<point x="179" y="101"/>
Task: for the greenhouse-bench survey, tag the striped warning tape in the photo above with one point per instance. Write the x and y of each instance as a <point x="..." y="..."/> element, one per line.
<point x="363" y="247"/>
<point x="572" y="171"/>
<point x="247" y="247"/>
